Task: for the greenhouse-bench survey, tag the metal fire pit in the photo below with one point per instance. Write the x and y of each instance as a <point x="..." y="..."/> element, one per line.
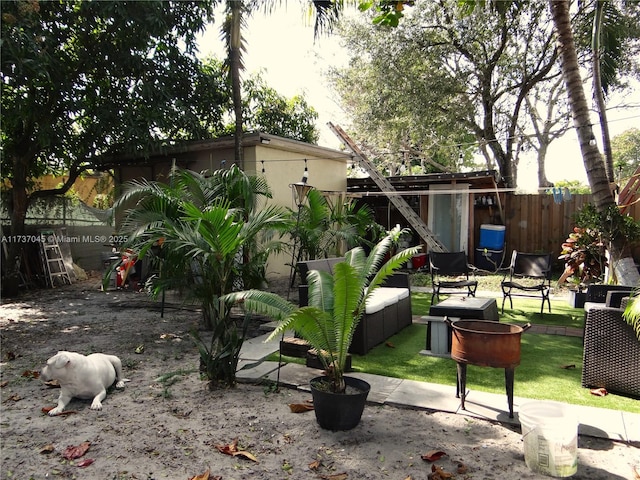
<point x="485" y="344"/>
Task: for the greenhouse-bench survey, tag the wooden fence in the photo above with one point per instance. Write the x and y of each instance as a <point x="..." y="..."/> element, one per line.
<point x="539" y="223"/>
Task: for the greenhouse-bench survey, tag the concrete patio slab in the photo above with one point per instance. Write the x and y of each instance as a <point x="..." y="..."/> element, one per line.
<point x="632" y="427"/>
<point x="429" y="396"/>
<point x="597" y="422"/>
<point x="381" y="387"/>
<point x="250" y="371"/>
<point x="294" y="375"/>
<point x="257" y="349"/>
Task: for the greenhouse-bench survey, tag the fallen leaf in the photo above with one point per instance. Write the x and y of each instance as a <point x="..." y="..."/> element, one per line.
<point x="439" y="473"/>
<point x="4" y="384"/>
<point x="47" y="449"/>
<point x="433" y="455"/>
<point x="335" y="476"/>
<point x="139" y="349"/>
<point x="315" y="465"/>
<point x="390" y="345"/>
<point x="14" y="398"/>
<point x="301" y="407"/>
<point x="52" y="384"/>
<point x="85" y="463"/>
<point x="568" y="367"/>
<point x="66" y="412"/>
<point x="31" y="374"/>
<point x="599" y="392"/>
<point x="204" y="476"/>
<point x="409" y="478"/>
<point x="232" y="449"/>
<point x="76" y="451"/>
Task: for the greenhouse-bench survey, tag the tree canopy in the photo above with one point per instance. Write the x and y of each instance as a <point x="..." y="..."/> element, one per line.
<point x="443" y="77"/>
<point x="626" y="153"/>
<point x="82" y="79"/>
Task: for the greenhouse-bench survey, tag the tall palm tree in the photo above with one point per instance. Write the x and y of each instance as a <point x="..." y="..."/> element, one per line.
<point x="624" y="265"/>
<point x="326" y="14"/>
<point x="232" y="27"/>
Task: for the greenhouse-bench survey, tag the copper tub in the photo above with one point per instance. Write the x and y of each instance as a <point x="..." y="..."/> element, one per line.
<point x="486" y="344"/>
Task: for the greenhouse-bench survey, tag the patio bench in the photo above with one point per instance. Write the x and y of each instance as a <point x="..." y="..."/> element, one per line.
<point x="602" y="295"/>
<point x="387" y="311"/>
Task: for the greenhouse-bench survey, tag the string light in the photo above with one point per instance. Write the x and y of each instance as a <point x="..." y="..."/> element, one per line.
<point x="262" y="161"/>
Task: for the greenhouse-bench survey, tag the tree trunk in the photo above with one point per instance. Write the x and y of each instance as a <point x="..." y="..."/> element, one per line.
<point x="18" y="204"/>
<point x="543" y="181"/>
<point x="598" y="93"/>
<point x="235" y="61"/>
<point x="593" y="162"/>
<point x="591" y="156"/>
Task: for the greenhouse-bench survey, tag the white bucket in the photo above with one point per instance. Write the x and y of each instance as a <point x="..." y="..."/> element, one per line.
<point x="550" y="436"/>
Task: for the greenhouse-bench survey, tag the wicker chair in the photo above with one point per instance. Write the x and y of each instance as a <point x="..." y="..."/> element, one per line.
<point x="611" y="353"/>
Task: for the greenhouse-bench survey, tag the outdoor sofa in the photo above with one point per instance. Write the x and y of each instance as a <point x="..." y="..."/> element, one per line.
<point x="601" y="295"/>
<point x="387" y="311"/>
<point x="611" y="354"/>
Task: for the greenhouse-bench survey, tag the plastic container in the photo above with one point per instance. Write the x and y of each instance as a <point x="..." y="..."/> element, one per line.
<point x="492" y="236"/>
<point x="419" y="260"/>
<point x="550" y="436"/>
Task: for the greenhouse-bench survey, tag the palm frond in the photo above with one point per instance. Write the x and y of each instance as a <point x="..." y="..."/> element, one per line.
<point x="392" y="265"/>
<point x="349" y="304"/>
<point x="320" y="290"/>
<point x="262" y="303"/>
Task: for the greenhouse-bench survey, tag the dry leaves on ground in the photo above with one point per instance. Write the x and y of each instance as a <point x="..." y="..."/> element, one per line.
<point x="76" y="451"/>
<point x="433" y="455"/>
<point x="301" y="407"/>
<point x="232" y="449"/>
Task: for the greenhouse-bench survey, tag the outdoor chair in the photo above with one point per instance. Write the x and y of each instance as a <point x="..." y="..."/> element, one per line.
<point x="451" y="274"/>
<point x="611" y="352"/>
<point x="529" y="275"/>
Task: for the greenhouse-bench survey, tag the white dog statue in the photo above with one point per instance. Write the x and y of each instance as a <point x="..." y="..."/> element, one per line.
<point x="83" y="377"/>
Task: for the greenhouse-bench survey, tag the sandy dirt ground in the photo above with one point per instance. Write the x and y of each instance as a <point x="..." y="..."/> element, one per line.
<point x="166" y="423"/>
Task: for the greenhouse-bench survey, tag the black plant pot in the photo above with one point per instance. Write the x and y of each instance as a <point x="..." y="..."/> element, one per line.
<point x="340" y="411"/>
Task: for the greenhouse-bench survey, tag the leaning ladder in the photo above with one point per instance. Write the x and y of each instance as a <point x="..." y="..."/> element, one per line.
<point x="385" y="186"/>
<point x="52" y="260"/>
<point x="629" y="194"/>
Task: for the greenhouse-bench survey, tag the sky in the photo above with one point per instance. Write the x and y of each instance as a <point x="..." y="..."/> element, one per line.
<point x="282" y="47"/>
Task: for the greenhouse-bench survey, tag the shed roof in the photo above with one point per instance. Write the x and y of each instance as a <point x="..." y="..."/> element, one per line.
<point x="488" y="180"/>
<point x="251" y="139"/>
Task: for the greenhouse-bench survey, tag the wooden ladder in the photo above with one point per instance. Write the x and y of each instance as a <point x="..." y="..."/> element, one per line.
<point x="628" y="195"/>
<point x="389" y="190"/>
<point x="53" y="264"/>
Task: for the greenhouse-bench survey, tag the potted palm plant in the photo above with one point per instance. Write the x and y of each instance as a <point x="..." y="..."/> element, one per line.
<point x="336" y="305"/>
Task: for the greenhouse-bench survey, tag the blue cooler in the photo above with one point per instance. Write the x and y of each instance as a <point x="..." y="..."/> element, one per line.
<point x="490" y="251"/>
<point x="492" y="236"/>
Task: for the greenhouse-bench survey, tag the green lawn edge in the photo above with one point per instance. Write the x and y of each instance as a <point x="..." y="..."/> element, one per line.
<point x="550" y="365"/>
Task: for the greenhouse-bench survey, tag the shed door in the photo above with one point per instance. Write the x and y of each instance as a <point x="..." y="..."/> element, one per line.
<point x="448" y="216"/>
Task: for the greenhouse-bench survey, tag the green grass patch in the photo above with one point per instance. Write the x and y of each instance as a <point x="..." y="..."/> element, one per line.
<point x="540" y="375"/>
<point x="525" y="310"/>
